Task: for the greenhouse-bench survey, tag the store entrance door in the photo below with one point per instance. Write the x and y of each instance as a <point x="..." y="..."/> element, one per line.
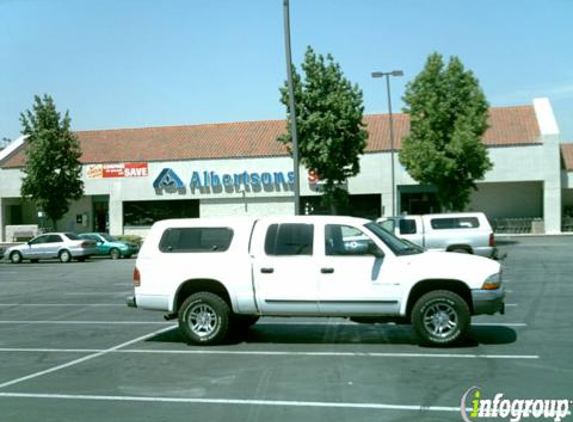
<point x="419" y="203"/>
<point x="101" y="217"/>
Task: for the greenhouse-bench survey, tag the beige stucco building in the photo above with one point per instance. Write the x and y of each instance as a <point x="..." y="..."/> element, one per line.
<point x="133" y="177"/>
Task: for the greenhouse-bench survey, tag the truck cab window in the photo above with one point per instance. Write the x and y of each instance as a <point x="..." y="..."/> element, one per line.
<point x="407" y="226"/>
<point x="388" y="225"/>
<point x="289" y="239"/>
<point x="341" y="240"/>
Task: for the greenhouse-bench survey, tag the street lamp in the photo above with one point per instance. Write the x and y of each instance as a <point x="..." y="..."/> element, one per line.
<point x="292" y="108"/>
<point x="387" y="75"/>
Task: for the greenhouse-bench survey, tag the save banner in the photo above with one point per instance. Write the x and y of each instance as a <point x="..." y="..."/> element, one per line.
<point x="105" y="171"/>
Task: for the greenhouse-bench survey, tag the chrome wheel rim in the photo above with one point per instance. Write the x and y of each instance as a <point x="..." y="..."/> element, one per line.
<point x="202" y="319"/>
<point x="65" y="257"/>
<point x="441" y="320"/>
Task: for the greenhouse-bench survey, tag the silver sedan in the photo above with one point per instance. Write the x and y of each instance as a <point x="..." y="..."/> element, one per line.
<point x="63" y="246"/>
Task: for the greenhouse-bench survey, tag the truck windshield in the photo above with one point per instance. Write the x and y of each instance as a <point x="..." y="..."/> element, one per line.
<point x="398" y="246"/>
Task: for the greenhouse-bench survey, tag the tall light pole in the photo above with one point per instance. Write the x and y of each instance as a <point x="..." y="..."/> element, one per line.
<point x="387" y="75"/>
<point x="292" y="108"/>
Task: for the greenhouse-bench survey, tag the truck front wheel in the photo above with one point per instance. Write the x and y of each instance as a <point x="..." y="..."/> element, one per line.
<point x="441" y="318"/>
<point x="204" y="318"/>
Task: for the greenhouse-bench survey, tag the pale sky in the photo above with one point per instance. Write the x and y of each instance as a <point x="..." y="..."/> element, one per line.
<point x="121" y="64"/>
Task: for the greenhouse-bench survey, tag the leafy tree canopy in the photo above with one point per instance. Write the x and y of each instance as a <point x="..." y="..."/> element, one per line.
<point x="448" y="117"/>
<point x="329" y="111"/>
<point x="53" y="169"/>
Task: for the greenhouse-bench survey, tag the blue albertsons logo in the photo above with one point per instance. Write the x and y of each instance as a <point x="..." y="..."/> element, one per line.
<point x="168" y="179"/>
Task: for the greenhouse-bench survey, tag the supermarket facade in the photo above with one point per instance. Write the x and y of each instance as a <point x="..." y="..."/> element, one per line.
<point x="133" y="177"/>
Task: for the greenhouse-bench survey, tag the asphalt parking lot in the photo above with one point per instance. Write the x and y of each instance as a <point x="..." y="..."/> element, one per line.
<point x="70" y="350"/>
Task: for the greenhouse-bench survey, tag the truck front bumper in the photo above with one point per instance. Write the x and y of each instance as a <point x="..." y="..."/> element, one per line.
<point x="488" y="302"/>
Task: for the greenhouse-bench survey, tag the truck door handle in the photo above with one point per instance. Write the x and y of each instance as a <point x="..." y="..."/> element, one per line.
<point x="327" y="270"/>
<point x="267" y="270"/>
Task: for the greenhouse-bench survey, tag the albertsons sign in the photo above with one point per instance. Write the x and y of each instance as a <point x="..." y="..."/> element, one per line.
<point x="168" y="178"/>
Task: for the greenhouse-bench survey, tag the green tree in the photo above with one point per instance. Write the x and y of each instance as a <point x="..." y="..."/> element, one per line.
<point x="448" y="117"/>
<point x="53" y="169"/>
<point x="331" y="134"/>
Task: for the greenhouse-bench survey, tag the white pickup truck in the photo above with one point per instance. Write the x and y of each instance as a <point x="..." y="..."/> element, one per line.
<point x="468" y="232"/>
<point x="219" y="275"/>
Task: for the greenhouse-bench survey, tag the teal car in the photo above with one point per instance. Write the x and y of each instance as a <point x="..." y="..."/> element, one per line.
<point x="110" y="246"/>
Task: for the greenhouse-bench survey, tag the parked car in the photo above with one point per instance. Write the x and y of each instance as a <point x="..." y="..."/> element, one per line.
<point x="63" y="246"/>
<point x="455" y="232"/>
<point x="109" y="245"/>
<point x="219" y="275"/>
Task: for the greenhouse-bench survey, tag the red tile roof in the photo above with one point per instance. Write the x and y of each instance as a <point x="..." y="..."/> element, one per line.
<point x="567" y="155"/>
<point x="508" y="126"/>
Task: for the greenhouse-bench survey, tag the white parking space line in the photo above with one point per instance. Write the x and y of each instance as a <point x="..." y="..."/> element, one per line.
<point x="341" y="354"/>
<point x="61" y="304"/>
<point x="81" y="294"/>
<point x="501" y="324"/>
<point x="84" y="359"/>
<point x="511" y="305"/>
<point x="278" y="403"/>
<point x="273" y="353"/>
<point x="286" y="323"/>
<point x="58" y="322"/>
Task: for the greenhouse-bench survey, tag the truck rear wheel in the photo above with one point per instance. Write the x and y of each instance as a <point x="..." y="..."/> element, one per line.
<point x="204" y="318"/>
<point x="440" y="318"/>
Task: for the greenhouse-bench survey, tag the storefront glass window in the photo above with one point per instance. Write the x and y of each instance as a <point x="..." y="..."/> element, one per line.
<point x="145" y="213"/>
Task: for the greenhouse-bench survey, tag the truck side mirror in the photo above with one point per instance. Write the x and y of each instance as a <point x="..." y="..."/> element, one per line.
<point x="374" y="250"/>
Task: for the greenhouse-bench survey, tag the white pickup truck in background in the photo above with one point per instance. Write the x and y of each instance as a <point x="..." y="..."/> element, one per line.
<point x="456" y="232"/>
<point x="220" y="275"/>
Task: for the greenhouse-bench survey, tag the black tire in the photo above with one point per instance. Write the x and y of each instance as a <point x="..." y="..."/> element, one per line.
<point x="15" y="257"/>
<point x="65" y="256"/>
<point x="204" y="318"/>
<point x="114" y="253"/>
<point x="34" y="261"/>
<point x="441" y="318"/>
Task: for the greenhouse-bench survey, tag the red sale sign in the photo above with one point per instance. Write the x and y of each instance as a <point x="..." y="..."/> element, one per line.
<point x="106" y="171"/>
